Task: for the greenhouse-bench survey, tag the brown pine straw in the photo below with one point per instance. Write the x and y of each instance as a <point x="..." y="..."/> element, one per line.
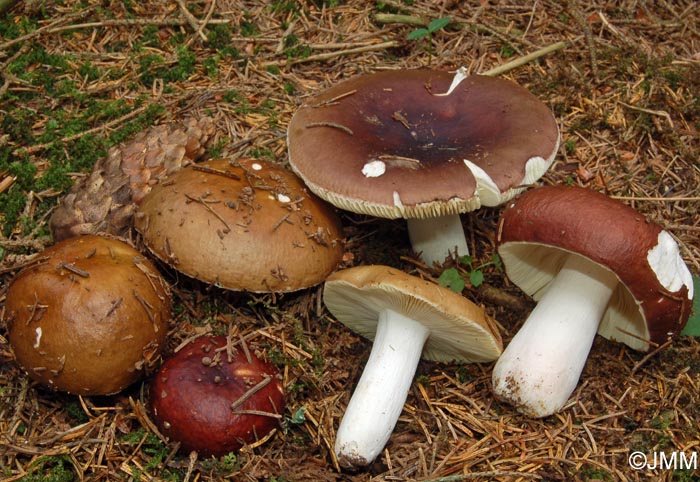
<point x="623" y="79"/>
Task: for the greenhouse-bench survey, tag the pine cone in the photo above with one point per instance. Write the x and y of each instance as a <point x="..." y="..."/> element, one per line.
<point x="104" y="202"/>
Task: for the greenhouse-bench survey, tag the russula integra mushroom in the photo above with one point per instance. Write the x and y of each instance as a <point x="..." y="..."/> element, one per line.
<point x="241" y="225"/>
<point x="89" y="316"/>
<point x="214" y="398"/>
<point x="594" y="265"/>
<point x="408" y="318"/>
<point x="422" y="145"/>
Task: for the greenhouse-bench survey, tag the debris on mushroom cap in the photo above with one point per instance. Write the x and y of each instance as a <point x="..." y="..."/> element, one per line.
<point x="542" y="226"/>
<point x="389" y="145"/>
<point x="214" y="398"/>
<point x="104" y="202"/>
<point x="460" y="330"/>
<point x="241" y="225"/>
<point x="89" y="317"/>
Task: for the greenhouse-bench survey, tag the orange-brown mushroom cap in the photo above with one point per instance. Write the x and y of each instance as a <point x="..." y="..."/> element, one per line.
<point x="89" y="317"/>
<point x="242" y="225"/>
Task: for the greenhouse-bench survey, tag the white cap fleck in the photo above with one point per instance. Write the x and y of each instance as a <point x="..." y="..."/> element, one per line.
<point x="374" y="169"/>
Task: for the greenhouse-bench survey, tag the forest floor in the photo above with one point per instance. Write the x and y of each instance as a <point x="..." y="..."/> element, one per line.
<point x="77" y="78"/>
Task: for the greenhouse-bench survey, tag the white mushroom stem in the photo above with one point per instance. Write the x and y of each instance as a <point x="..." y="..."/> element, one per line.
<point x="380" y="394"/>
<point x="541" y="366"/>
<point x="437" y="238"/>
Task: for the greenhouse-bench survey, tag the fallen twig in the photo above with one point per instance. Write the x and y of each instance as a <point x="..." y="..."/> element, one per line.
<point x="194" y="23"/>
<point x="508" y="66"/>
<point x="385" y="18"/>
<point x="331" y="55"/>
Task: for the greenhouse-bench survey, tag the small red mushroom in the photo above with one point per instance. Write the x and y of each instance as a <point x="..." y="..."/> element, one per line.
<point x="214" y="398"/>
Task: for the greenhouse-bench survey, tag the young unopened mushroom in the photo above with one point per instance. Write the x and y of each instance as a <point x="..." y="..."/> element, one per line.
<point x="594" y="265"/>
<point x="422" y="145"/>
<point x="408" y="318"/>
<point x="215" y="398"/>
<point x="89" y="317"/>
<point x="243" y="225"/>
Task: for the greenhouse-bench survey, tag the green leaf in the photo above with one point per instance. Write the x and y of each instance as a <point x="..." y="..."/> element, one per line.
<point x="299" y="415"/>
<point x="450" y="278"/>
<point x="418" y="33"/>
<point x="692" y="328"/>
<point x="466" y="260"/>
<point x="476" y="278"/>
<point x="438" y="23"/>
<point x="496" y="261"/>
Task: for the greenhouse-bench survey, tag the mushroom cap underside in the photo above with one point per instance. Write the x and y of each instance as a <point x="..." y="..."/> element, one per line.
<point x="243" y="225"/>
<point x="540" y="228"/>
<point x="459" y="330"/>
<point x="386" y="144"/>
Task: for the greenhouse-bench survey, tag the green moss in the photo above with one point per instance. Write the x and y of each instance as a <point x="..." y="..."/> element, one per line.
<point x="211" y="66"/>
<point x="686" y="475"/>
<point x="89" y="71"/>
<point x="38" y="66"/>
<point x="507" y="51"/>
<point x="50" y="469"/>
<point x="75" y="411"/>
<point x="75" y="114"/>
<point x="594" y="474"/>
<point x="219" y="36"/>
<point x="284" y="6"/>
<point x="570" y="146"/>
<point x="248" y="27"/>
<point x="17" y="125"/>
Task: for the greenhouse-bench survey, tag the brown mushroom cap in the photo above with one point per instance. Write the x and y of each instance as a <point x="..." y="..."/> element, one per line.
<point x="242" y="225"/>
<point x="213" y="403"/>
<point x="539" y="229"/>
<point x="421" y="140"/>
<point x="89" y="317"/>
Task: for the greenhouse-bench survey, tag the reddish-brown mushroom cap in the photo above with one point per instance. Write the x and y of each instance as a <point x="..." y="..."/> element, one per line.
<point x="212" y="398"/>
<point x="243" y="225"/>
<point x="390" y="145"/>
<point x="89" y="317"/>
<point x="541" y="227"/>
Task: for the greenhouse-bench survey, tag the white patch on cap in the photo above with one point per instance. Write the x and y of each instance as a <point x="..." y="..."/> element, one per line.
<point x="535" y="169"/>
<point x="460" y="75"/>
<point x="256" y="166"/>
<point x="283" y="198"/>
<point x="668" y="265"/>
<point x="486" y="190"/>
<point x="397" y="200"/>
<point x="37" y="342"/>
<point x="374" y="169"/>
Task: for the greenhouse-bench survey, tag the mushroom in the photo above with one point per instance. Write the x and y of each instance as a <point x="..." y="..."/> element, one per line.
<point x="422" y="145"/>
<point x="89" y="316"/>
<point x="214" y="398"/>
<point x="241" y="225"/>
<point x="408" y="318"/>
<point x="594" y="265"/>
